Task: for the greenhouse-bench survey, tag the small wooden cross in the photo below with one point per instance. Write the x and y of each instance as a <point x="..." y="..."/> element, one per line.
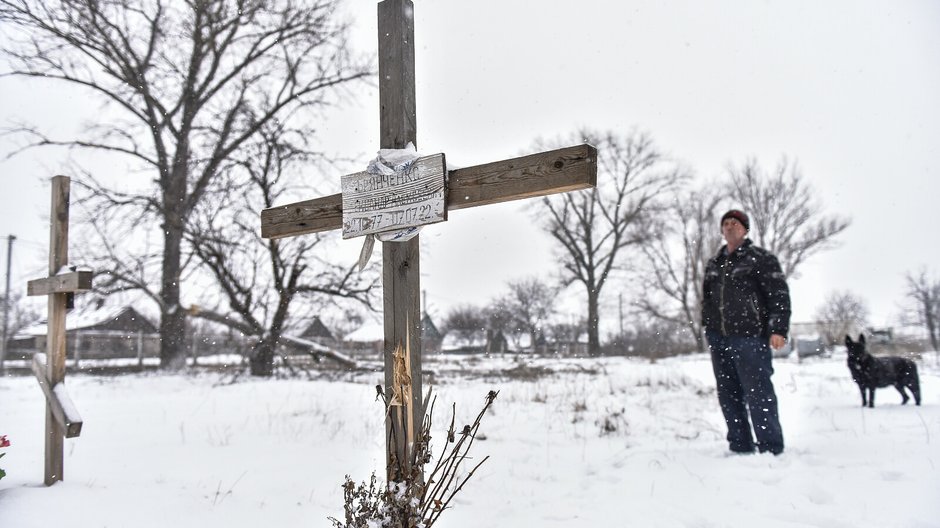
<point x="62" y="419"/>
<point x="541" y="174"/>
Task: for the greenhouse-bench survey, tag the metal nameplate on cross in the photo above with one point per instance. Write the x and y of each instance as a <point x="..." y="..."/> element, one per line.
<point x="541" y="174"/>
<point x="62" y="418"/>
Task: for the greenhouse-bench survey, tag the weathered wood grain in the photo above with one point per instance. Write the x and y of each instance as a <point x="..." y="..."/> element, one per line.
<point x="63" y="410"/>
<point x="398" y="116"/>
<point x="541" y="174"/>
<point x="303" y="218"/>
<point x="62" y="419"/>
<point x="555" y="171"/>
<point x="55" y="336"/>
<point x="75" y="281"/>
<point x="400" y="260"/>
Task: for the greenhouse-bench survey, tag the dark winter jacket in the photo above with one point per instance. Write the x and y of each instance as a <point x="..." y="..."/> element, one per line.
<point x="745" y="294"/>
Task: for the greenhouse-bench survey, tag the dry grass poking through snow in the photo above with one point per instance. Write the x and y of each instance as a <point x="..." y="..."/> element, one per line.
<point x="606" y="442"/>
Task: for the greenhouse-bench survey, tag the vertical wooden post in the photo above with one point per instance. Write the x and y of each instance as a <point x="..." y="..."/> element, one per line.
<point x="55" y="340"/>
<point x="6" y="305"/>
<point x="400" y="260"/>
<point x="62" y="419"/>
<point x="77" y="353"/>
<point x="140" y="350"/>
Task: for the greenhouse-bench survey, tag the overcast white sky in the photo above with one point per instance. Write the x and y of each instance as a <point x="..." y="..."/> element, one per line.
<point x="848" y="88"/>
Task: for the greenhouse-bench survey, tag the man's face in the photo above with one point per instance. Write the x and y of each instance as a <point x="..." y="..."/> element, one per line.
<point x="733" y="231"/>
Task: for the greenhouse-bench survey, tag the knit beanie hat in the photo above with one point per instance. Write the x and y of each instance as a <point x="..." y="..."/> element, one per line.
<point x="739" y="216"/>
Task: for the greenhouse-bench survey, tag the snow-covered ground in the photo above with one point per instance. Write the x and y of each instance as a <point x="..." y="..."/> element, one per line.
<point x="196" y="451"/>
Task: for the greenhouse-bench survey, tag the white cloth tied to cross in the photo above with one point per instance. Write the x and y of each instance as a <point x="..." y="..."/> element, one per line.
<point x="389" y="162"/>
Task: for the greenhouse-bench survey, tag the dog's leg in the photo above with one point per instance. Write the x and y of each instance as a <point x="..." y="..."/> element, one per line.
<point x="864" y="399"/>
<point x="900" y="387"/>
<point x="914" y="384"/>
<point x="871" y="397"/>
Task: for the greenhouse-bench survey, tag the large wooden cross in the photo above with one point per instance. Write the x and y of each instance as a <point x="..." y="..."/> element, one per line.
<point x="62" y="419"/>
<point x="561" y="170"/>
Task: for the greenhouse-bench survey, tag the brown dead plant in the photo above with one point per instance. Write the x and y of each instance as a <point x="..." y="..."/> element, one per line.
<point x="416" y="501"/>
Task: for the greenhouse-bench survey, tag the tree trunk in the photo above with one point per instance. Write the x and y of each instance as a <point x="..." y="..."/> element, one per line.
<point x="262" y="356"/>
<point x="695" y="327"/>
<point x="172" y="317"/>
<point x="931" y="326"/>
<point x="261" y="363"/>
<point x="697" y="333"/>
<point x="594" y="342"/>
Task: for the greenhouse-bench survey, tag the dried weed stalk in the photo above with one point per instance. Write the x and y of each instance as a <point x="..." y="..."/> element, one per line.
<point x="416" y="501"/>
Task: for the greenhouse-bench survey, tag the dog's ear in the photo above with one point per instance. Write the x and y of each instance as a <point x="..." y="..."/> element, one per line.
<point x="848" y="340"/>
<point x="861" y="339"/>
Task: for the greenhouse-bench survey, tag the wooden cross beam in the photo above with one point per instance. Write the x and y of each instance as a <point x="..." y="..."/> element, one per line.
<point x="541" y="174"/>
<point x="62" y="419"/>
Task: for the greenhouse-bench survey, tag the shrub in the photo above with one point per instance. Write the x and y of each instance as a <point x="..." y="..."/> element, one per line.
<point x="415" y="502"/>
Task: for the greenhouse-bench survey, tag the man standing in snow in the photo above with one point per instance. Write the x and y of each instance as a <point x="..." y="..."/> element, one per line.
<point x="745" y="312"/>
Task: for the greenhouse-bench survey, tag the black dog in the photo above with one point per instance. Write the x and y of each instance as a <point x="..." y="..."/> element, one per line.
<point x="871" y="373"/>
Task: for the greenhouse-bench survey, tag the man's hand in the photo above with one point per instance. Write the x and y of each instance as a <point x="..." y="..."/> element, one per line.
<point x="777" y="341"/>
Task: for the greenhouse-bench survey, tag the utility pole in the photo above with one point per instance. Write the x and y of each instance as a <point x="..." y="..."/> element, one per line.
<point x="621" y="319"/>
<point x="6" y="303"/>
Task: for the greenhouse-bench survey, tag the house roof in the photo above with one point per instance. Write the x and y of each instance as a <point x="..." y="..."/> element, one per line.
<point x="120" y="319"/>
<point x="316" y="328"/>
<point x="428" y="328"/>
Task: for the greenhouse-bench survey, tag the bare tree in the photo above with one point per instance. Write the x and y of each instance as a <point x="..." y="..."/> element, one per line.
<point x="786" y="215"/>
<point x="785" y="219"/>
<point x="592" y="227"/>
<point x="465" y="321"/>
<point x="676" y="258"/>
<point x="530" y="303"/>
<point x="261" y="278"/>
<point x="924" y="292"/>
<point x="187" y="86"/>
<point x="565" y="335"/>
<point x="841" y="314"/>
<point x="499" y="321"/>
